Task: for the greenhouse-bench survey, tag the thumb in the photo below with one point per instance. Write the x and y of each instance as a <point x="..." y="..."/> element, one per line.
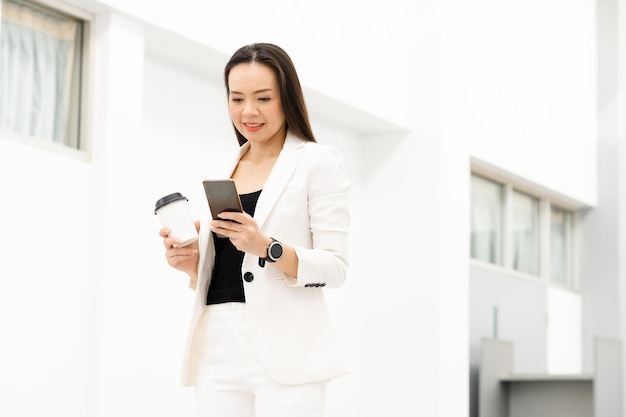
<point x="197" y="223"/>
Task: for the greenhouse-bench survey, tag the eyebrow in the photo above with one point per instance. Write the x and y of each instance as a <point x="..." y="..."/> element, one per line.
<point x="263" y="90"/>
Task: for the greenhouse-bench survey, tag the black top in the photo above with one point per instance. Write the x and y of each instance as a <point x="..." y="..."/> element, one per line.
<point x="226" y="281"/>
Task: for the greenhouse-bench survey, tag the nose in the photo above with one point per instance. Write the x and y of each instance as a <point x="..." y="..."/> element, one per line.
<point x="249" y="108"/>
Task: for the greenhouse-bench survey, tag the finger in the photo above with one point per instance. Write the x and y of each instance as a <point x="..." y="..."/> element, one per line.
<point x="180" y="252"/>
<point x="197" y="223"/>
<point x="169" y="242"/>
<point x="216" y="227"/>
<point x="233" y="215"/>
<point x="226" y="228"/>
<point x="164" y="232"/>
<point x="179" y="259"/>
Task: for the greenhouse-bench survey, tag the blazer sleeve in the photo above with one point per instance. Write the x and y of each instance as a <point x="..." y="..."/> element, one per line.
<point x="325" y="264"/>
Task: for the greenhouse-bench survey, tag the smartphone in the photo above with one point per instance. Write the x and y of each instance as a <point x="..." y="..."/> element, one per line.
<point x="222" y="196"/>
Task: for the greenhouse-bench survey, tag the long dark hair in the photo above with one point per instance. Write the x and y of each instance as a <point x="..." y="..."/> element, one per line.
<point x="296" y="116"/>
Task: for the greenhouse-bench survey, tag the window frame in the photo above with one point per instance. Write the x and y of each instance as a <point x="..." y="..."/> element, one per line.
<point x="546" y="200"/>
<point x="85" y="95"/>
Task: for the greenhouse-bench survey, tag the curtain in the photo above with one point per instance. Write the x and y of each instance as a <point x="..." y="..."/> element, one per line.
<point x="486" y="220"/>
<point x="37" y="49"/>
<point x="558" y="247"/>
<point x="525" y="233"/>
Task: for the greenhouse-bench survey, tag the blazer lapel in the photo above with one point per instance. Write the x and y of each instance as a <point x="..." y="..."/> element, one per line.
<point x="281" y="173"/>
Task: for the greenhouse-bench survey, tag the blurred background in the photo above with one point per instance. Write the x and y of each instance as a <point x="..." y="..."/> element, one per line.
<point x="485" y="144"/>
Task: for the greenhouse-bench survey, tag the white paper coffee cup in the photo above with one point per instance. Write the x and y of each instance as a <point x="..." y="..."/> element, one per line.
<point x="173" y="211"/>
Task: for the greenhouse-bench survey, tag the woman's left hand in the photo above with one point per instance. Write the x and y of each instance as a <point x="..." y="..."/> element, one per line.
<point x="243" y="232"/>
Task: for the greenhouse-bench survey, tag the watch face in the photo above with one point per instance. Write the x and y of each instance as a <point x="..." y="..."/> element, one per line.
<point x="276" y="250"/>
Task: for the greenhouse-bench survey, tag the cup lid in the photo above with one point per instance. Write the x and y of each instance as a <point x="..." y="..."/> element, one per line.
<point x="168" y="199"/>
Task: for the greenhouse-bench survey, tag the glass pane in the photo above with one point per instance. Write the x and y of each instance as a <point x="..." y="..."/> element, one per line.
<point x="525" y="233"/>
<point x="39" y="53"/>
<point x="559" y="239"/>
<point x="486" y="220"/>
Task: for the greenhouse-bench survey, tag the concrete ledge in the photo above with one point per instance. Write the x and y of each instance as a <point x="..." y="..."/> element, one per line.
<point x="502" y="393"/>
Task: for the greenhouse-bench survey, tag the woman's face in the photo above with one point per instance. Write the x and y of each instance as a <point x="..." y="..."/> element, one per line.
<point x="254" y="103"/>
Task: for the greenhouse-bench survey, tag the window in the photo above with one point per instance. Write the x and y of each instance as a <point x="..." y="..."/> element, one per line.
<point x="561" y="225"/>
<point x="486" y="220"/>
<point x="525" y="233"/>
<point x="42" y="72"/>
<point x="521" y="232"/>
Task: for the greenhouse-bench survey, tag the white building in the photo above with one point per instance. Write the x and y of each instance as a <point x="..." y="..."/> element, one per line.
<point x="416" y="95"/>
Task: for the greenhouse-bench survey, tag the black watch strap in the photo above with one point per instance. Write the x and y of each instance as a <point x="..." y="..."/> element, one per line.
<point x="274" y="246"/>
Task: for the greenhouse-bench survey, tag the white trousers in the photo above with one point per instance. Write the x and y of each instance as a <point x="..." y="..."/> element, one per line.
<point x="230" y="379"/>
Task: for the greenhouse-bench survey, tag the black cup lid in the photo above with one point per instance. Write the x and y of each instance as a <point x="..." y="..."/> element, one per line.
<point x="168" y="199"/>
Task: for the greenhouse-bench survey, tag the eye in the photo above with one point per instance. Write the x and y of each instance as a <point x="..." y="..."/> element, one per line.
<point x="264" y="99"/>
<point x="236" y="99"/>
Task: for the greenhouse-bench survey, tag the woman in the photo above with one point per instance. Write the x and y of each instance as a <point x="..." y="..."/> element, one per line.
<point x="261" y="342"/>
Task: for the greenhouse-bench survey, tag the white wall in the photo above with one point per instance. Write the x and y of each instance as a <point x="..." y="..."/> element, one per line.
<point x="425" y="85"/>
<point x="139" y="331"/>
<point x="342" y="49"/>
<point x="48" y="306"/>
<point x="523" y="88"/>
<point x="621" y="180"/>
<point x="604" y="236"/>
<point x="564" y="332"/>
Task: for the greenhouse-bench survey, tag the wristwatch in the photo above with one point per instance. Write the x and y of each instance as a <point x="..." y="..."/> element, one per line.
<point x="275" y="251"/>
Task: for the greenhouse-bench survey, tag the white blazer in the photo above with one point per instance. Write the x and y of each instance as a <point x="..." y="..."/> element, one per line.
<point x="305" y="204"/>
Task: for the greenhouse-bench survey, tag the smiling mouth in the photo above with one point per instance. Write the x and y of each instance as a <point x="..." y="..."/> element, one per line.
<point x="253" y="127"/>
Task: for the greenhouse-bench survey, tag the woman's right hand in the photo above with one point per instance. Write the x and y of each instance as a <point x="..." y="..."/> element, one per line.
<point x="184" y="259"/>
